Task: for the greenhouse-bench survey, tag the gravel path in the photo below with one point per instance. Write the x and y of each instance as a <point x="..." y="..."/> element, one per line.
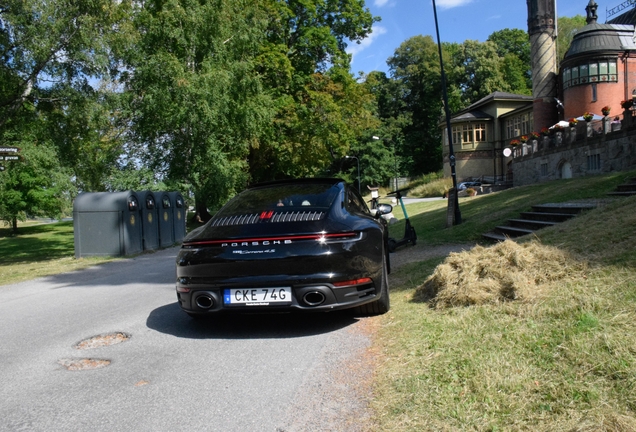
<point x="336" y="396"/>
<point x="421" y="252"/>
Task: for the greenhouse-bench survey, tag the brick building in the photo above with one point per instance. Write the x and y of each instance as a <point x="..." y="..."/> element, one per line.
<point x="598" y="70"/>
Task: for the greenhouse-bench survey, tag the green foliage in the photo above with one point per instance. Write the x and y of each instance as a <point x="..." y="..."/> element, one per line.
<point x="568" y="27"/>
<point x="415" y="69"/>
<point x="214" y="94"/>
<point x="36" y="185"/>
<point x="479" y="65"/>
<point x="432" y="185"/>
<point x="87" y="127"/>
<point x="54" y="44"/>
<point x="50" y="50"/>
<point x="320" y="109"/>
<point x="195" y="98"/>
<point x="132" y="177"/>
<point x="391" y="110"/>
<point x="513" y="48"/>
<point x="312" y="34"/>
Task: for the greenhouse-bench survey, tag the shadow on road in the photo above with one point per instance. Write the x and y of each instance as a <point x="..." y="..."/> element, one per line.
<point x="156" y="268"/>
<point x="170" y="319"/>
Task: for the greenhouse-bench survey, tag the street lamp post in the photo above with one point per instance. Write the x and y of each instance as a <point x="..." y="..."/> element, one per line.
<point x="358" y="162"/>
<point x="451" y="157"/>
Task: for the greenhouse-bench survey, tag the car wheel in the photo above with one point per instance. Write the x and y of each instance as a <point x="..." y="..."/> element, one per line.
<point x="381" y="305"/>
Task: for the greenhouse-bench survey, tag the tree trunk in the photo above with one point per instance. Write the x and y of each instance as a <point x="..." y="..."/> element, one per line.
<point x="14" y="226"/>
<point x="201" y="214"/>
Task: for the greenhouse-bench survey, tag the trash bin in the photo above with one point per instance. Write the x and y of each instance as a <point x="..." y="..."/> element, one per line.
<point x="107" y="224"/>
<point x="149" y="220"/>
<point x="180" y="213"/>
<point x="166" y="219"/>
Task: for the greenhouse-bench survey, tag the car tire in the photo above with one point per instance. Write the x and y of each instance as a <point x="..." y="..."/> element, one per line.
<point x="381" y="305"/>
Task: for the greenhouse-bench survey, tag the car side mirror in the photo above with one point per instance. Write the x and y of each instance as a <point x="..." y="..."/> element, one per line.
<point x="383" y="209"/>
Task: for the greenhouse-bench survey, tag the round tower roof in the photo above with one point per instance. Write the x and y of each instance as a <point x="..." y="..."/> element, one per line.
<point x="597" y="38"/>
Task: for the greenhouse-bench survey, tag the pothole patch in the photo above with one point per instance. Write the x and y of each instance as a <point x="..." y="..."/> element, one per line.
<point x="102" y="340"/>
<point x="83" y="364"/>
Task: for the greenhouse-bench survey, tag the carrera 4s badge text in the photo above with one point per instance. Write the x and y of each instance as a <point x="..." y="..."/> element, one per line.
<point x="248" y="252"/>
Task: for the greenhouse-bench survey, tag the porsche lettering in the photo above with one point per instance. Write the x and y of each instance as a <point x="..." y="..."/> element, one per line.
<point x="256" y="243"/>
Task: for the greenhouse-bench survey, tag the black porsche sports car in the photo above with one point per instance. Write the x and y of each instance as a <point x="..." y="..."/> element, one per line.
<point x="306" y="245"/>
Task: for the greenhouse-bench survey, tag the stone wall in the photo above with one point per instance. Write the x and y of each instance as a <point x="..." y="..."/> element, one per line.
<point x="575" y="152"/>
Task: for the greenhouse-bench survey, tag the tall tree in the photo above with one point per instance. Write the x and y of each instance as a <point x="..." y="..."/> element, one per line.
<point x="513" y="47"/>
<point x="49" y="50"/>
<point x="313" y="34"/>
<point x="320" y="109"/>
<point x="481" y="70"/>
<point x="36" y="185"/>
<point x="87" y="127"/>
<point x="196" y="101"/>
<point x="394" y="118"/>
<point x="415" y="66"/>
<point x="51" y="44"/>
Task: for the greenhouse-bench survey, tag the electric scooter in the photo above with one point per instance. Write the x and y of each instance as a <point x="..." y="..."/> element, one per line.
<point x="374" y="197"/>
<point x="409" y="232"/>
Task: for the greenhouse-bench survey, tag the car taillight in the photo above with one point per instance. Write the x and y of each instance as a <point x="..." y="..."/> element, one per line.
<point x="256" y="241"/>
<point x="352" y="282"/>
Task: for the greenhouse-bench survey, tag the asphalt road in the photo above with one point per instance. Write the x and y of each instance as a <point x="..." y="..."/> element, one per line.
<point x="249" y="373"/>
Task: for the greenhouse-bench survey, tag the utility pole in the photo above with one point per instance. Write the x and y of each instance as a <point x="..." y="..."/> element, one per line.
<point x="452" y="199"/>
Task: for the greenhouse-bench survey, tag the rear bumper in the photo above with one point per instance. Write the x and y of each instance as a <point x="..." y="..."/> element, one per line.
<point x="305" y="297"/>
<point x="314" y="271"/>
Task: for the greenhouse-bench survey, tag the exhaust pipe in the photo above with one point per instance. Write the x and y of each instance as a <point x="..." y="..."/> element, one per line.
<point x="314" y="298"/>
<point x="204" y="301"/>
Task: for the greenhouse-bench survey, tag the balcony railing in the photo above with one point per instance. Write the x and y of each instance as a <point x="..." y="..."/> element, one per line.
<point x="575" y="135"/>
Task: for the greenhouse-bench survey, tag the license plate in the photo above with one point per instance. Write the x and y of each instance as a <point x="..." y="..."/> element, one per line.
<point x="257" y="296"/>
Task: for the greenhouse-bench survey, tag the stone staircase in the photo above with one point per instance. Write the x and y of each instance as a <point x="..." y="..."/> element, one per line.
<point x="625" y="189"/>
<point x="541" y="216"/>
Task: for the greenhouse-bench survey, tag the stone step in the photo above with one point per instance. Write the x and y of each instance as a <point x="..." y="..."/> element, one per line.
<point x="530" y="224"/>
<point x="495" y="236"/>
<point x="570" y="208"/>
<point x="622" y="194"/>
<point x="512" y="231"/>
<point x="542" y="216"/>
<point x="550" y="217"/>
<point x="627" y="187"/>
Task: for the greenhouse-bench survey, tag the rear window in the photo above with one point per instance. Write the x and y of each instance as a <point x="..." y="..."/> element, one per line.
<point x="296" y="202"/>
<point x="278" y="198"/>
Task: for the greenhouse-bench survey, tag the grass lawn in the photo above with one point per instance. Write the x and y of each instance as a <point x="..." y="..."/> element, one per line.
<point x="39" y="250"/>
<point x="558" y="355"/>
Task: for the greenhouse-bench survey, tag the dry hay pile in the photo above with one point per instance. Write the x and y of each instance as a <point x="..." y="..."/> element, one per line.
<point x="503" y="272"/>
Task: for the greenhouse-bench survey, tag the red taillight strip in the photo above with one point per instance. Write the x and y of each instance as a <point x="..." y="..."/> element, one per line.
<point x="352" y="282"/>
<point x="270" y="239"/>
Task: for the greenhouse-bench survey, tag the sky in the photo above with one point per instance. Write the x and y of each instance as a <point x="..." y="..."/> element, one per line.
<point x="458" y="20"/>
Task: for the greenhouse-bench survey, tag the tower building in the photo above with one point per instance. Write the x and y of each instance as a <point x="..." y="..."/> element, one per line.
<point x="542" y="31"/>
